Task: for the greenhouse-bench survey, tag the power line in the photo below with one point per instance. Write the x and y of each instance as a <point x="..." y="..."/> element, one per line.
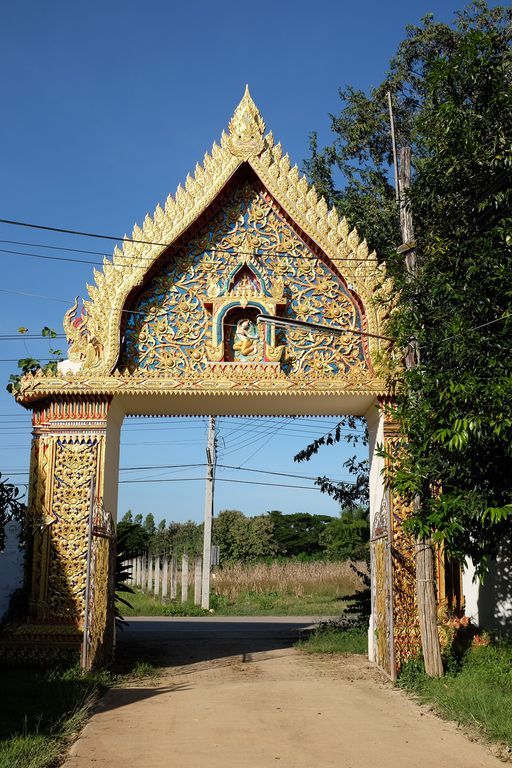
<point x="33" y="295"/>
<point x="147" y="261"/>
<point x="30" y="336"/>
<point x="57" y="248"/>
<point x="306" y="325"/>
<point x="300" y="323"/>
<point x="279" y="474"/>
<point x="220" y="480"/>
<point x="223" y="480"/>
<point x="265" y="442"/>
<point x="125" y="239"/>
<point x="151" y="467"/>
<point x="477" y="327"/>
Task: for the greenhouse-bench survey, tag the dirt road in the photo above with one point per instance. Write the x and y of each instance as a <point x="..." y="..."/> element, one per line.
<point x="266" y="708"/>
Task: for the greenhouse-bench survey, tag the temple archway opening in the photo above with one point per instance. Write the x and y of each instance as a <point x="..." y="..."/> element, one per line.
<point x="251" y="473"/>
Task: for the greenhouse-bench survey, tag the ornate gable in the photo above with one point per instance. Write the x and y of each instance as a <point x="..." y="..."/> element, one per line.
<point x="245" y="235"/>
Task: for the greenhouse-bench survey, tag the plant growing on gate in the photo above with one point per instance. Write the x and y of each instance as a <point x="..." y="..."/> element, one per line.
<point x="11" y="507"/>
<point x="122" y="572"/>
<point x="32" y="364"/>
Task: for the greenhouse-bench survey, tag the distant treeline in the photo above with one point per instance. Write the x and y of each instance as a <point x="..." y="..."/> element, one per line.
<point x="246" y="539"/>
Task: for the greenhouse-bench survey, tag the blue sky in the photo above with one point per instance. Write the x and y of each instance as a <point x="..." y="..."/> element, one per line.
<point x="106" y="108"/>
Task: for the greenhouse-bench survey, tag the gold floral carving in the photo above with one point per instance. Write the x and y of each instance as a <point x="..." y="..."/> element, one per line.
<point x="67" y="451"/>
<point x="39" y="519"/>
<point x="381" y="587"/>
<point x="96" y="341"/>
<point x="405" y="614"/>
<point x="246" y="129"/>
<point x="84" y="347"/>
<point x="168" y="328"/>
<point x="100" y="625"/>
<point x="76" y="461"/>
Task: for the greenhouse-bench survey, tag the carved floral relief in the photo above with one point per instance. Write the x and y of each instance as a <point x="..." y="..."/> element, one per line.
<point x="202" y="303"/>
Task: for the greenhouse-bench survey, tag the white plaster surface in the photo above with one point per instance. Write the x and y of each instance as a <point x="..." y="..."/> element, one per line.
<point x="490" y="604"/>
<point x="375" y="421"/>
<point x="11" y="565"/>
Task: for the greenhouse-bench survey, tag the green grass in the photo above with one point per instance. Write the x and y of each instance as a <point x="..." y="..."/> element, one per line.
<point x="336" y="636"/>
<point x="275" y="603"/>
<point x="477" y="693"/>
<point x="42" y="711"/>
<point x="148" y="605"/>
<point x="247" y="603"/>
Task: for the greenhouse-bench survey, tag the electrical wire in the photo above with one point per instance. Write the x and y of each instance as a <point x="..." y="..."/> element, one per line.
<point x="166" y="467"/>
<point x="478" y="327"/>
<point x="32" y="295"/>
<point x="125" y="239"/>
<point x="266" y="442"/>
<point x="247" y="440"/>
<point x="224" y="480"/>
<point x="146" y="261"/>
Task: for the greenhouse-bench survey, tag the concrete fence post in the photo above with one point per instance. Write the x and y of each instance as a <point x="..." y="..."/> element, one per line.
<point x="184" y="578"/>
<point x="198" y="574"/>
<point x="157" y="576"/>
<point x="174" y="576"/>
<point x="149" y="574"/>
<point x="165" y="576"/>
<point x="142" y="584"/>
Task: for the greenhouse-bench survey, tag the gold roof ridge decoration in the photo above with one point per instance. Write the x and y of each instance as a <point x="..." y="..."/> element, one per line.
<point x="94" y="336"/>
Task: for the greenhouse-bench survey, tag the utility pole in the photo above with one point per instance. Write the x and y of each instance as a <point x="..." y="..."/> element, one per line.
<point x="424" y="550"/>
<point x="211" y="456"/>
<point x="393" y="144"/>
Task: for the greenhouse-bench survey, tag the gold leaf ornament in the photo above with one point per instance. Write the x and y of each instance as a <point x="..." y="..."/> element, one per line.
<point x="246" y="129"/>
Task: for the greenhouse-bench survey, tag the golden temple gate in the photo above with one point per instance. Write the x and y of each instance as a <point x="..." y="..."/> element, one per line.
<point x="171" y="328"/>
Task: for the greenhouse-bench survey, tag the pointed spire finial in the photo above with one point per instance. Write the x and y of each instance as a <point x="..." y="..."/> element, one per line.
<point x="246" y="129"/>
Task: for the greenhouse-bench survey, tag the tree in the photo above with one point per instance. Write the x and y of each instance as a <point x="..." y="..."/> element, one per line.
<point x="185" y="538"/>
<point x="455" y="407"/>
<point x="135" y="539"/>
<point x="451" y="88"/>
<point x="242" y="539"/>
<point x="348" y="537"/>
<point x="349" y="494"/>
<point x="149" y="524"/>
<point x="160" y="541"/>
<point x="127" y="517"/>
<point x="361" y="152"/>
<point x="298" y="534"/>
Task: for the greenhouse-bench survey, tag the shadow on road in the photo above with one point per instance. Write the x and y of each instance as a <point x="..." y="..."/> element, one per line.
<point x="117" y="698"/>
<point x="170" y="642"/>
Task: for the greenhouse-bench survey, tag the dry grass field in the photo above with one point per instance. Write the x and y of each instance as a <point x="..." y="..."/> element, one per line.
<point x="279" y="588"/>
<point x="292" y="578"/>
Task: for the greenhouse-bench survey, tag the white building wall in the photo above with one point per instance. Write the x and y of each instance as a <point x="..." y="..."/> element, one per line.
<point x="490" y="604"/>
<point x="11" y="565"/>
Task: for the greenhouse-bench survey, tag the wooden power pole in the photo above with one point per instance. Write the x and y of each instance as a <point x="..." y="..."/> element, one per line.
<point x="211" y="456"/>
<point x="424" y="550"/>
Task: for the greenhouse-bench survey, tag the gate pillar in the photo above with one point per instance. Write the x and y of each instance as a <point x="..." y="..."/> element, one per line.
<point x="394" y="628"/>
<point x="70" y="456"/>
